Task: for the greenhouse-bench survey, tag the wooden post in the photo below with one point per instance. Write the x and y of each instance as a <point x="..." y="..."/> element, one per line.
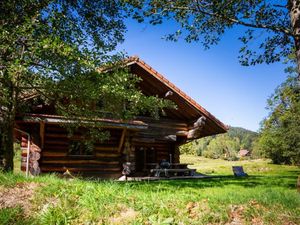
<point x="176" y="154"/>
<point x="42" y="133"/>
<point x="145" y="159"/>
<point x="122" y="140"/>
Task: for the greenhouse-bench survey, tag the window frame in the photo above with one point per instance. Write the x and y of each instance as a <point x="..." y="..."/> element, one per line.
<point x="82" y="147"/>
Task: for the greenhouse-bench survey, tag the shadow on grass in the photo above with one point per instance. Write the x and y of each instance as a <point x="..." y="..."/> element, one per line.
<point x="288" y="182"/>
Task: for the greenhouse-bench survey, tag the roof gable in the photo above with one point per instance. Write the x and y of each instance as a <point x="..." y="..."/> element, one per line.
<point x="154" y="83"/>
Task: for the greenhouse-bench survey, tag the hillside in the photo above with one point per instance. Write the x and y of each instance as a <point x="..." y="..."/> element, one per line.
<point x="222" y="145"/>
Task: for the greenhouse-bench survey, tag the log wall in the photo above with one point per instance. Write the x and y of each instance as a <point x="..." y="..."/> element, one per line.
<point x="51" y="144"/>
<point x="104" y="161"/>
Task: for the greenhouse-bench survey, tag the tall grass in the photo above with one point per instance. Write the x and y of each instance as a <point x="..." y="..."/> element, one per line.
<point x="267" y="195"/>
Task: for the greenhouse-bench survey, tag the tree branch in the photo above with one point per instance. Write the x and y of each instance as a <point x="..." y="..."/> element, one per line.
<point x="233" y="20"/>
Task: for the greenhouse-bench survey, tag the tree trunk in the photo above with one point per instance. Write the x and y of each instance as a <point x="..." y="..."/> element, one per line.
<point x="1" y="150"/>
<point x="294" y="9"/>
<point x="7" y="145"/>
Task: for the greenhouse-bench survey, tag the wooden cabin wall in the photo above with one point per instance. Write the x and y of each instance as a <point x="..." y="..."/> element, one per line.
<point x="105" y="161"/>
<point x="162" y="127"/>
<point x="160" y="137"/>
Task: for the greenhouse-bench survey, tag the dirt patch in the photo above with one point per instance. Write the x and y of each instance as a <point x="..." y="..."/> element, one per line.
<point x="19" y="195"/>
<point x="236" y="215"/>
<point x="125" y="216"/>
<point x="49" y="202"/>
<point x="197" y="210"/>
<point x="253" y="212"/>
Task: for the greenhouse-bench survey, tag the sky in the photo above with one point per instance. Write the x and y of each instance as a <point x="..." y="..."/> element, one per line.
<point x="235" y="94"/>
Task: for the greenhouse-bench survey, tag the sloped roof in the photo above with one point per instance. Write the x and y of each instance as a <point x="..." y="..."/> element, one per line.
<point x="154" y="83"/>
<point x="243" y="152"/>
<point x="190" y="109"/>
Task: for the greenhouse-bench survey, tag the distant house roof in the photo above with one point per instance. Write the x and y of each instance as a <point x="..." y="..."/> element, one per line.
<point x="244" y="152"/>
<point x="155" y="83"/>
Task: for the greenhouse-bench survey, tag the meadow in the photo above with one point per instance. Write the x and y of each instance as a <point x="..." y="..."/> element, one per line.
<point x="267" y="196"/>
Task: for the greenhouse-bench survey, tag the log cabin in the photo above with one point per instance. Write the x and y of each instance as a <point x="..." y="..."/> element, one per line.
<point x="140" y="142"/>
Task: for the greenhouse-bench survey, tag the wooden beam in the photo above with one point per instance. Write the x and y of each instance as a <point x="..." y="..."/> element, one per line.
<point x="83" y="169"/>
<point x="99" y="155"/>
<point x="122" y="140"/>
<point x="143" y="140"/>
<point x="85" y="161"/>
<point x="50" y="154"/>
<point x="145" y="159"/>
<point x="42" y="133"/>
<point x="106" y="148"/>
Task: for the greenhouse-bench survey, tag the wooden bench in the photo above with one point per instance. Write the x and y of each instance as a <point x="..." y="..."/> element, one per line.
<point x="176" y="172"/>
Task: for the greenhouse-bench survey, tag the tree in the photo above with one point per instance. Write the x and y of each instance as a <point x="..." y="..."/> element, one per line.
<point x="245" y="137"/>
<point x="54" y="49"/>
<point x="217" y="146"/>
<point x="273" y="26"/>
<point x="222" y="147"/>
<point x="280" y="133"/>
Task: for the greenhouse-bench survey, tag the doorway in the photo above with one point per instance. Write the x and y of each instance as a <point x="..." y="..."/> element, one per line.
<point x="144" y="156"/>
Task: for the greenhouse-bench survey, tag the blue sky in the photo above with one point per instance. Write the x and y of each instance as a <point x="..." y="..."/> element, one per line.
<point x="235" y="94"/>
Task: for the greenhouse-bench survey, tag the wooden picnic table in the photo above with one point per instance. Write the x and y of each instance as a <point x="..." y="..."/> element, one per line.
<point x="173" y="172"/>
<point x="176" y="169"/>
<point x="172" y="165"/>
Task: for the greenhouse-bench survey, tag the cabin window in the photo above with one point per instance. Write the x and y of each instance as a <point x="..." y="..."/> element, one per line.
<point x="77" y="148"/>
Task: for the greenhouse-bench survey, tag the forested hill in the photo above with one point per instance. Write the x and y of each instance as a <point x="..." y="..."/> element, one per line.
<point x="222" y="145"/>
<point x="245" y="136"/>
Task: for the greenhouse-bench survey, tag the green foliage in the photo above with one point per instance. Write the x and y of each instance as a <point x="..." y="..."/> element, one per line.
<point x="58" y="45"/>
<point x="280" y="133"/>
<point x="222" y="146"/>
<point x="245" y="137"/>
<point x="64" y="51"/>
<point x="192" y="148"/>
<point x="269" y="191"/>
<point x="14" y="216"/>
<point x="269" y="37"/>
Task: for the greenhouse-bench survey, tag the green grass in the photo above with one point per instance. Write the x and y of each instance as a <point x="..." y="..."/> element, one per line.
<point x="224" y="167"/>
<point x="268" y="195"/>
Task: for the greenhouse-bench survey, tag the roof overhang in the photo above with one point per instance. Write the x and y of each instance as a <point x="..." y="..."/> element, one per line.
<point x="105" y="123"/>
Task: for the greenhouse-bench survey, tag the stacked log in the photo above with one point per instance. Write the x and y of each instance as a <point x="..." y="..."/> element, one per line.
<point x="34" y="156"/>
<point x="24" y="153"/>
<point x="105" y="160"/>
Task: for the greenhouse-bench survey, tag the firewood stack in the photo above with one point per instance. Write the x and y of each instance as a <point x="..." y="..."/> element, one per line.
<point x="34" y="156"/>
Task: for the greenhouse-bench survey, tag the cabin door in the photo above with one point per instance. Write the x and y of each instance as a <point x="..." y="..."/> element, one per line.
<point x="144" y="156"/>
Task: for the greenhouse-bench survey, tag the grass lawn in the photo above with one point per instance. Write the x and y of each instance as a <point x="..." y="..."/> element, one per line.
<point x="267" y="196"/>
